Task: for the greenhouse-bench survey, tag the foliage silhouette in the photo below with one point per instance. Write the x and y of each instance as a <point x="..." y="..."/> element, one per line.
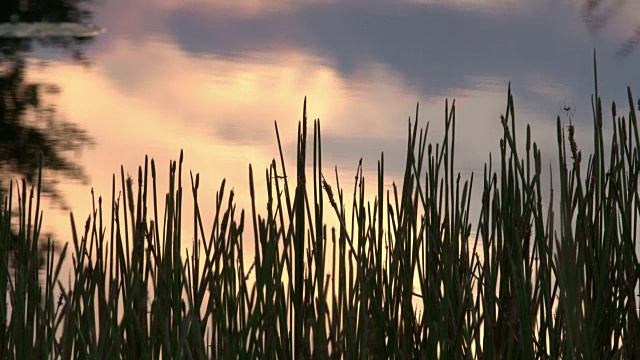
<point x="598" y="13"/>
<point x="30" y="126"/>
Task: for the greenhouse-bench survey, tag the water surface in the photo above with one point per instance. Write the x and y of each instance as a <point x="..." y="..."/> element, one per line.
<point x="211" y="79"/>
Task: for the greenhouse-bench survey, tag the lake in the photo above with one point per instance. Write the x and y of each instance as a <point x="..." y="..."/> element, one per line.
<point x="211" y="79"/>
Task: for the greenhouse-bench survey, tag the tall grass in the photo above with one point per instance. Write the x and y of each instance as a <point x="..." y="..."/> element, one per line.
<point x="406" y="274"/>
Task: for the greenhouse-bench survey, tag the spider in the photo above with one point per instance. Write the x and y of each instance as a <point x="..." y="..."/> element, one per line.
<point x="569" y="109"/>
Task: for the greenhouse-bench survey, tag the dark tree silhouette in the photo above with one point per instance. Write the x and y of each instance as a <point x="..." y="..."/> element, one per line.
<point x="44" y="10"/>
<point x="50" y="11"/>
<point x="30" y="127"/>
<point x="598" y="13"/>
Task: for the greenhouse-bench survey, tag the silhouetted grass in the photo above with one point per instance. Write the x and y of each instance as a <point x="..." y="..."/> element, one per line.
<point x="513" y="285"/>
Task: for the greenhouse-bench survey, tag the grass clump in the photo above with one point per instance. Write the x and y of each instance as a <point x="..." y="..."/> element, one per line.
<point x="406" y="275"/>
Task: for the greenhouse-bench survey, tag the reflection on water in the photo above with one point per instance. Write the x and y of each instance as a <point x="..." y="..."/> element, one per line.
<point x="44" y="10"/>
<point x="30" y="127"/>
<point x="212" y="78"/>
<point x="598" y="13"/>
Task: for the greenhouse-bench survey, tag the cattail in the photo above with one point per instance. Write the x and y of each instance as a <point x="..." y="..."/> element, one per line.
<point x="327" y="188"/>
<point x="525" y="232"/>
<point x="592" y="178"/>
<point x="575" y="155"/>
